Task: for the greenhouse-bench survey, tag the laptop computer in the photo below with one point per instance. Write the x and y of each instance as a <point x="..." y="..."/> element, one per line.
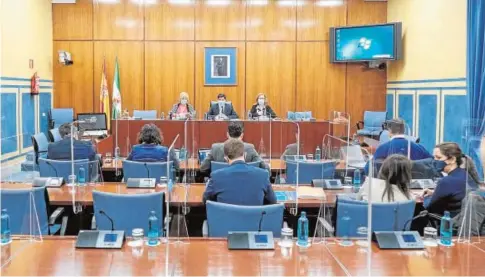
<point x="355" y="157"/>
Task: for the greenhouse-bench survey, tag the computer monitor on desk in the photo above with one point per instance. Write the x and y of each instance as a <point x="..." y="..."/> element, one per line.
<point x="90" y="128"/>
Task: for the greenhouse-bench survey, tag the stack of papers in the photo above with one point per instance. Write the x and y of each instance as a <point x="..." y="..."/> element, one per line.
<point x="306" y="192"/>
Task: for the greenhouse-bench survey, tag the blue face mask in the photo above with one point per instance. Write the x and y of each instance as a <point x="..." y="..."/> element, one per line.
<point x="439" y="165"/>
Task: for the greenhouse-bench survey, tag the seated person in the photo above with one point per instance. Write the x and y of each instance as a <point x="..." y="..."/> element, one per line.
<point x="235" y="130"/>
<point x="392" y="184"/>
<point x="182" y="109"/>
<point x="61" y="150"/>
<point x="239" y="184"/>
<point x="398" y="145"/>
<point x="452" y="188"/>
<point x="261" y="108"/>
<point x="150" y="147"/>
<point x="227" y="111"/>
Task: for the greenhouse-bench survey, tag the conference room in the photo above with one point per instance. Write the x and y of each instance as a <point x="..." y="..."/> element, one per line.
<point x="242" y="137"/>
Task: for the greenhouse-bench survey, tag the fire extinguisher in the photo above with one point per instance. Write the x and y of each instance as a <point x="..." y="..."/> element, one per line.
<point x="35" y="84"/>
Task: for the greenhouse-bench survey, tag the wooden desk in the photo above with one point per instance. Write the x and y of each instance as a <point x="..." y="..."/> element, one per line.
<point x="204" y="257"/>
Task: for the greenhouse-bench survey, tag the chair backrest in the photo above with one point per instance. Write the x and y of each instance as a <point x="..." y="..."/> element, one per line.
<point x="132" y="169"/>
<point x="128" y="211"/>
<point x="223" y="218"/>
<point x="58" y="117"/>
<point x="57" y="168"/>
<point x="385" y="216"/>
<point x="309" y="171"/>
<point x="218" y="165"/>
<point x="149" y="114"/>
<point x="40" y="143"/>
<point x="374" y="120"/>
<point x="23" y="215"/>
<point x="55" y="135"/>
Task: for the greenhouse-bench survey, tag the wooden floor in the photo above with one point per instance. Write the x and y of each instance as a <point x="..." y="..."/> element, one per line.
<point x="203" y="257"/>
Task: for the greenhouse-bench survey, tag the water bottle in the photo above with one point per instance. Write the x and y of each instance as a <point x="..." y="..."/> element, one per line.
<point x="318" y="154"/>
<point x="355" y="140"/>
<point x="356" y="180"/>
<point x="344" y="225"/>
<point x="170" y="185"/>
<point x="5" y="232"/>
<point x="153" y="229"/>
<point x="302" y="230"/>
<point x="182" y="154"/>
<point x="81" y="176"/>
<point x="162" y="116"/>
<point x="446" y="229"/>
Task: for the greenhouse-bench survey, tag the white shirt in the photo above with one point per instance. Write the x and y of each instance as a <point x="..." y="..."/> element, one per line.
<point x="378" y="187"/>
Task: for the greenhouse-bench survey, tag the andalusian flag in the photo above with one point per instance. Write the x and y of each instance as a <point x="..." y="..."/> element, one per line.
<point x="116" y="93"/>
<point x="104" y="95"/>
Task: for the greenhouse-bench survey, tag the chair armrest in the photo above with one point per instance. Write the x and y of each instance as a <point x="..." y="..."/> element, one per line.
<point x="55" y="215"/>
<point x="328" y="227"/>
<point x="205" y="229"/>
<point x="360" y="125"/>
<point x="64" y="225"/>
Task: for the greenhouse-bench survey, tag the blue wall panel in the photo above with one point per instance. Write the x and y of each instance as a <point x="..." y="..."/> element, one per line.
<point x="455" y="112"/>
<point x="428" y="121"/>
<point x="390" y="105"/>
<point x="45" y="104"/>
<point x="9" y="124"/>
<point x="406" y="109"/>
<point x="28" y="118"/>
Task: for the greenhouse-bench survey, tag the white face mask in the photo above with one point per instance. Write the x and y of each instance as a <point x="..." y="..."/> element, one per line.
<point x="183" y="102"/>
<point x="261" y="102"/>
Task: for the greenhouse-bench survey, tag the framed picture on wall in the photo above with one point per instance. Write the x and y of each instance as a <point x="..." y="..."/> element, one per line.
<point x="220" y="66"/>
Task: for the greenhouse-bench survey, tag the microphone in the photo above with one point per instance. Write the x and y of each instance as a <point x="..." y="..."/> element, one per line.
<point x="421" y="214"/>
<point x="109" y="218"/>
<point x="261" y="221"/>
<point x="50" y="164"/>
<point x="148" y="171"/>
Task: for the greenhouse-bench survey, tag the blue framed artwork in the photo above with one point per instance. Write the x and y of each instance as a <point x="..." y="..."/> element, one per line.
<point x="220" y="66"/>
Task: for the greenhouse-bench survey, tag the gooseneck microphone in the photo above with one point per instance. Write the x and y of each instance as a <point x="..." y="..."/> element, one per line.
<point x="261" y="220"/>
<point x="53" y="167"/>
<point x="109" y="218"/>
<point x="421" y="214"/>
<point x="148" y="170"/>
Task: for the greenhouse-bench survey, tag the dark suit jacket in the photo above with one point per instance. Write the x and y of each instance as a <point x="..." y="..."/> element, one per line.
<point x="269" y="111"/>
<point x="217" y="155"/>
<point x="240" y="184"/>
<point x="61" y="150"/>
<point x="291" y="150"/>
<point x="228" y="111"/>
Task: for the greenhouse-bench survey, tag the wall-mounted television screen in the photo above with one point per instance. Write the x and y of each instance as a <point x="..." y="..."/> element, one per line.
<point x="366" y="43"/>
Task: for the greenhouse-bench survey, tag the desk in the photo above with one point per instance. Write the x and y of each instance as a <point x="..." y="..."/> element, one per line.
<point x="204" y="257"/>
<point x="274" y="135"/>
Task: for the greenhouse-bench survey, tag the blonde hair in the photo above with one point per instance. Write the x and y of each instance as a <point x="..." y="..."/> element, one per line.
<point x="261" y="94"/>
<point x="185" y="95"/>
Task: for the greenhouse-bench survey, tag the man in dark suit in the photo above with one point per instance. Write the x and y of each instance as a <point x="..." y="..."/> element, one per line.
<point x="235" y="131"/>
<point x="227" y="111"/>
<point x="239" y="184"/>
<point x="61" y="150"/>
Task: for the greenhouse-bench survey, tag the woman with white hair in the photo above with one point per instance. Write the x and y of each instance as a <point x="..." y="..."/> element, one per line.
<point x="182" y="109"/>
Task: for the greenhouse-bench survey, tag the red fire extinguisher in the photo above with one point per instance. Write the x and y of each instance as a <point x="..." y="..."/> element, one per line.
<point x="35" y="84"/>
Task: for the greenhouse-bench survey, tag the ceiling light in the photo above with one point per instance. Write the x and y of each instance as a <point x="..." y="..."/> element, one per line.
<point x="106" y="1"/>
<point x="181" y="2"/>
<point x="218" y="2"/>
<point x="329" y="3"/>
<point x="257" y="2"/>
<point x="290" y="3"/>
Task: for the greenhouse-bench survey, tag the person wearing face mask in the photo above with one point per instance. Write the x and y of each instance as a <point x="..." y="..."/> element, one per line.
<point x="182" y="109"/>
<point x="452" y="188"/>
<point x="222" y="110"/>
<point x="239" y="183"/>
<point x="261" y="108"/>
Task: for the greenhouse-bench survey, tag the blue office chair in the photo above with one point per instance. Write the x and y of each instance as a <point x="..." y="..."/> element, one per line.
<point x="57" y="168"/>
<point x="203" y="152"/>
<point x="54" y="135"/>
<point x="26" y="219"/>
<point x="223" y="218"/>
<point x="41" y="144"/>
<point x="309" y="171"/>
<point x="151" y="114"/>
<point x="385" y="216"/>
<point x="218" y="165"/>
<point x="132" y="169"/>
<point x="57" y="117"/>
<point x="372" y="124"/>
<point x="128" y="211"/>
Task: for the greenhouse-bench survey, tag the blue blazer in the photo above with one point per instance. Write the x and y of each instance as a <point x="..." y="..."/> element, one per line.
<point x="240" y="184"/>
<point x="399" y="146"/>
<point x="61" y="150"/>
<point x="152" y="153"/>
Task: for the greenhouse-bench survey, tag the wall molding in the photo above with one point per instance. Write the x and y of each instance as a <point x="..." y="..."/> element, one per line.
<point x="445" y="80"/>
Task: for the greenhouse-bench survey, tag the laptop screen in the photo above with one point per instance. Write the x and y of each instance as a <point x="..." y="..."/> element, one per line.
<point x="100" y="123"/>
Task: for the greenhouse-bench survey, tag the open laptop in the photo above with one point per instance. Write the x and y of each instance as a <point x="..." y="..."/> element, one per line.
<point x="355" y="157"/>
<point x="97" y="128"/>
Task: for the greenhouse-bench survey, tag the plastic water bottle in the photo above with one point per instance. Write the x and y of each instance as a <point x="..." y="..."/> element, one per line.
<point x="355" y="140"/>
<point x="344" y="225"/>
<point x="446" y="229"/>
<point x="356" y="180"/>
<point x="182" y="153"/>
<point x="303" y="230"/>
<point x="153" y="229"/>
<point x="318" y="154"/>
<point x="170" y="185"/>
<point x="5" y="232"/>
<point x="81" y="176"/>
